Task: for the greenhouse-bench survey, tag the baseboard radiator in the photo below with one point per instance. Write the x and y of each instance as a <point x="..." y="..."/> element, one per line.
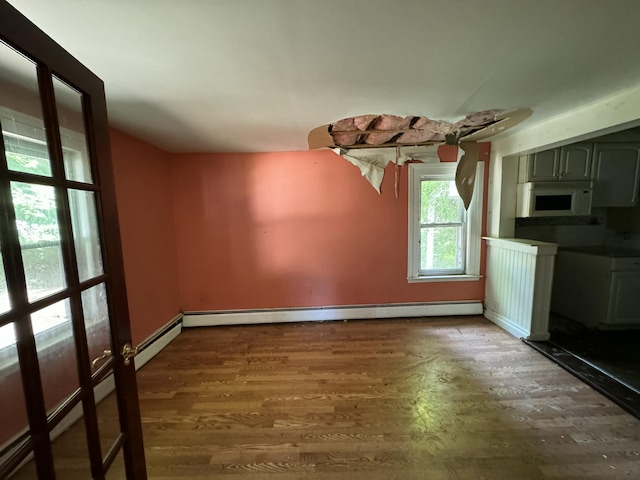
<point x="311" y="314"/>
<point x="518" y="286"/>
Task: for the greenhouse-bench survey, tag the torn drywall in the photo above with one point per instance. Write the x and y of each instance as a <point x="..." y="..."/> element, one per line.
<point x="372" y="161"/>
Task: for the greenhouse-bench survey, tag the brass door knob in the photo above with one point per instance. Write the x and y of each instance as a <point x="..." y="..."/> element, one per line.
<point x="105" y="354"/>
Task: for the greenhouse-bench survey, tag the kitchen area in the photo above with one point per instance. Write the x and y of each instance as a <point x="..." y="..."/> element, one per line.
<point x="584" y="198"/>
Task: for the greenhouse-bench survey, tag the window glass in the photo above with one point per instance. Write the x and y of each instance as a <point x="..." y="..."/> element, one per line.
<point x="13" y="420"/>
<point x="7" y="339"/>
<point x="72" y="134"/>
<point x="24" y="155"/>
<point x="441" y="227"/>
<point x="440" y="202"/>
<point x="96" y="318"/>
<point x="85" y="233"/>
<point x="441" y="248"/>
<point x="109" y="427"/>
<point x="56" y="352"/>
<point x="37" y="223"/>
<point x="23" y="131"/>
<point x="4" y="292"/>
<point x="71" y="454"/>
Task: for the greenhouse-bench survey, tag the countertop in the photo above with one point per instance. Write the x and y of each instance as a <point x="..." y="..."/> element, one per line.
<point x="604" y="251"/>
<point x="535" y="247"/>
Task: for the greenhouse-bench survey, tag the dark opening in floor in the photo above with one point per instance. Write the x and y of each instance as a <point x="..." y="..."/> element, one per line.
<point x="609" y="361"/>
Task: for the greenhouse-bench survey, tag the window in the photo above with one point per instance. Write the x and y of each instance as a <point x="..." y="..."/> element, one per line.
<point x="444" y="239"/>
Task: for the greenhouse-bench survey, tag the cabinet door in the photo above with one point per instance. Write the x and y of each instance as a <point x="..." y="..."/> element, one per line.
<point x="575" y="162"/>
<point x="624" y="304"/>
<point x="616" y="169"/>
<point x="543" y="166"/>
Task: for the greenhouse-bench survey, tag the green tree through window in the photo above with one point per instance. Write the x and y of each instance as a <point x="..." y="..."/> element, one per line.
<point x="441" y="226"/>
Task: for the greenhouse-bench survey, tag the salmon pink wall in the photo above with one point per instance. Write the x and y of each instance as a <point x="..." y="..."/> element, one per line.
<point x="293" y="229"/>
<point x="143" y="190"/>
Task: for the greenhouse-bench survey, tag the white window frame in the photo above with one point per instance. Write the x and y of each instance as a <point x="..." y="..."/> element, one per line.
<point x="444" y="171"/>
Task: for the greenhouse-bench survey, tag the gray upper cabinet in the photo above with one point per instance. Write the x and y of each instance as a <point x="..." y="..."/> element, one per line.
<point x="571" y="163"/>
<point x="539" y="167"/>
<point x="616" y="174"/>
<point x="575" y="162"/>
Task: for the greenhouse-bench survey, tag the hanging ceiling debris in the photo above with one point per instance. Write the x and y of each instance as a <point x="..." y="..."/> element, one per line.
<point x="379" y="130"/>
<point x="364" y="141"/>
<point x="367" y="131"/>
<point x="373" y="161"/>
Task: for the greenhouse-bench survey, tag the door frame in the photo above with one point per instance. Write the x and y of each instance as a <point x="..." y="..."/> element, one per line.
<point x="21" y="34"/>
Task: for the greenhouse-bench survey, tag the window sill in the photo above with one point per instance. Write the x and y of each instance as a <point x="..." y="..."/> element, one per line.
<point x="444" y="278"/>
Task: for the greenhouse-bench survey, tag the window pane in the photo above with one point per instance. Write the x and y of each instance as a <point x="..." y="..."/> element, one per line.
<point x="25" y="155"/>
<point x="37" y="223"/>
<point x="71" y="453"/>
<point x="56" y="352"/>
<point x="21" y="115"/>
<point x="72" y="134"/>
<point x="440" y="202"/>
<point x="7" y="339"/>
<point x="109" y="426"/>
<point x="4" y="292"/>
<point x="117" y="469"/>
<point x="85" y="233"/>
<point x="13" y="420"/>
<point x="96" y="318"/>
<point x="441" y="248"/>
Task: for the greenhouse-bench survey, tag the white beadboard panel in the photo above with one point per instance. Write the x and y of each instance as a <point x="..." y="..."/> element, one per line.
<point x="518" y="286"/>
<point x="247" y="317"/>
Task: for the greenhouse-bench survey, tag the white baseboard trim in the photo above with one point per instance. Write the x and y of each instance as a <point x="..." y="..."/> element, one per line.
<point x="514" y="329"/>
<point x="506" y="324"/>
<point x="249" y="317"/>
<point x="158" y="340"/>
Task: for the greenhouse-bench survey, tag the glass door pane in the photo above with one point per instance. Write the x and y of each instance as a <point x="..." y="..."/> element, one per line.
<point x="21" y="115"/>
<point x="4" y="292"/>
<point x="96" y="318"/>
<point x="37" y="223"/>
<point x="85" y="234"/>
<point x="13" y="420"/>
<point x="56" y="353"/>
<point x="77" y="166"/>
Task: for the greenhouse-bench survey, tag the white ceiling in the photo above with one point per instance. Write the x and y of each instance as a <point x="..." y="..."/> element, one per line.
<point x="257" y="75"/>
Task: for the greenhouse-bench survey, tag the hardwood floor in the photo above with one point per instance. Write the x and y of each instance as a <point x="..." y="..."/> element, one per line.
<point x="437" y="398"/>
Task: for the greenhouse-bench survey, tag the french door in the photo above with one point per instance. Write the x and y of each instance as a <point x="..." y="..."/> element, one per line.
<point x="64" y="325"/>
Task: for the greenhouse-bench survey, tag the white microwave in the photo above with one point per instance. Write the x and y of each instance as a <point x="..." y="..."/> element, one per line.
<point x="553" y="199"/>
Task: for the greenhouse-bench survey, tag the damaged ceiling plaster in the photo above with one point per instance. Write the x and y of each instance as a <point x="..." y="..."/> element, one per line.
<point x="385" y="130"/>
<point x="371" y="142"/>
